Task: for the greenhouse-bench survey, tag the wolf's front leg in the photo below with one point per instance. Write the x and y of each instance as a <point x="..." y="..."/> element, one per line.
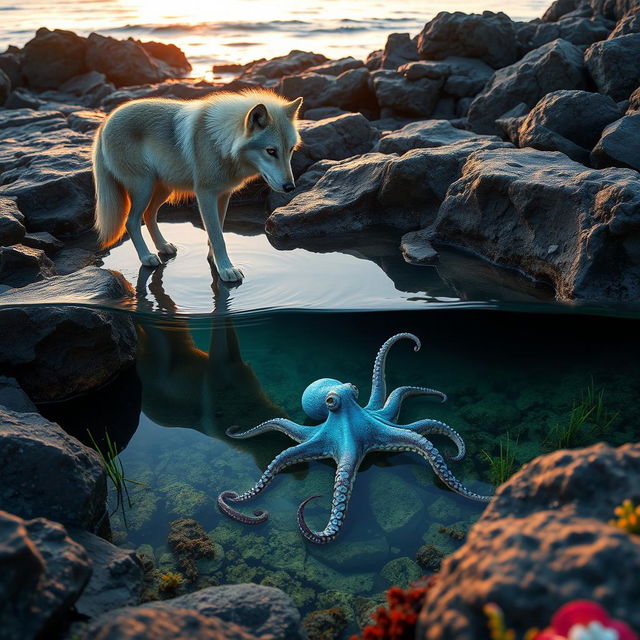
<point x="209" y="212"/>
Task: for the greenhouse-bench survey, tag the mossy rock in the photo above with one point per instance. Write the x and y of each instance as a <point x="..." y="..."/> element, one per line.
<point x="285" y="550"/>
<point x="183" y="500"/>
<point x="241" y="572"/>
<point x="303" y="596"/>
<point x="354" y="554"/>
<point x="166" y="563"/>
<point x="400" y="572"/>
<point x="147" y="550"/>
<point x="325" y="578"/>
<point x="444" y="509"/>
<point x="334" y="598"/>
<point x="395" y="503"/>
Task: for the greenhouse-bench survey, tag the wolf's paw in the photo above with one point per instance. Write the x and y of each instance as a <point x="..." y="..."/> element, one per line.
<point x="151" y="260"/>
<point x="168" y="249"/>
<point x="230" y="274"/>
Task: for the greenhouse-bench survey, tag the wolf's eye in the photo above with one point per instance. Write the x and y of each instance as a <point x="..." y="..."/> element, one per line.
<point x="272" y="152"/>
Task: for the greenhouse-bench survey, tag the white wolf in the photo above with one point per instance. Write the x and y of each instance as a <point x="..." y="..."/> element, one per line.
<point x="152" y="150"/>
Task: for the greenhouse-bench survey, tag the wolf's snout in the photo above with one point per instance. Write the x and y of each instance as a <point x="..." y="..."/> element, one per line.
<point x="288" y="187"/>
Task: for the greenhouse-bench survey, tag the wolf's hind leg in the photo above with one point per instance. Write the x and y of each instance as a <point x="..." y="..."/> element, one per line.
<point x="160" y="195"/>
<point x="140" y="193"/>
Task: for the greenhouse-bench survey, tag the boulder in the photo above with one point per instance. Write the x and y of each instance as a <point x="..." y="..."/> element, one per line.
<point x="634" y="101"/>
<point x="336" y="67"/>
<point x="43" y="240"/>
<point x="47" y="171"/>
<point x="398" y="96"/>
<point x="22" y="99"/>
<point x="543" y="541"/>
<point x="11" y="65"/>
<point x="21" y="265"/>
<point x="321" y="113"/>
<point x="52" y="57"/>
<point x="43" y="572"/>
<point x="551" y="218"/>
<point x="11" y="223"/>
<point x="612" y="9"/>
<point x="60" y="351"/>
<point x="568" y="121"/>
<point x="5" y="87"/>
<point x="619" y="145"/>
<point x="242" y="611"/>
<point x="626" y="25"/>
<point x="399" y="49"/>
<point x="613" y="65"/>
<point x="559" y="8"/>
<point x="92" y="87"/>
<point x="461" y="76"/>
<point x="47" y="473"/>
<point x="294" y="62"/>
<point x="85" y="121"/>
<point x="416" y="247"/>
<point x="576" y="29"/>
<point x="173" y="57"/>
<point x="491" y="37"/>
<point x="13" y="397"/>
<point x="116" y="577"/>
<point x="333" y="139"/>
<point x="511" y="121"/>
<point x="553" y="66"/>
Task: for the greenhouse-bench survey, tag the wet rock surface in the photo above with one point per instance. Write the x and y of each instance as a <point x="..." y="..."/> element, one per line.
<point x="619" y="145"/>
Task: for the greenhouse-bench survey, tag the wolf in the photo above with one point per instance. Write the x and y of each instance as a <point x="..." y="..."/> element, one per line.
<point x="152" y="150"/>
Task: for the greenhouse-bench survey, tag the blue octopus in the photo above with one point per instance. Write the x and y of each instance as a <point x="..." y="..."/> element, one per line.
<point x="347" y="433"/>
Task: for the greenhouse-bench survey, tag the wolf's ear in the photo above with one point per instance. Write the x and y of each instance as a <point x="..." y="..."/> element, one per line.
<point x="257" y="118"/>
<point x="292" y="108"/>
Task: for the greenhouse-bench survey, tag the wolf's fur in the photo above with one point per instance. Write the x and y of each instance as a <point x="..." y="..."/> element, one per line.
<point x="152" y="150"/>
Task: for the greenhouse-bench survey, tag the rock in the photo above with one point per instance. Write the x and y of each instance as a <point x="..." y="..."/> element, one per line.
<point x="577" y="30"/>
<point x="22" y="99"/>
<point x="326" y="624"/>
<point x="374" y="190"/>
<point x="612" y="9"/>
<point x="47" y="171"/>
<point x="337" y="67"/>
<point x="630" y="23"/>
<point x="374" y="60"/>
<point x="560" y="8"/>
<point x="52" y="57"/>
<point x="619" y="145"/>
<point x="400" y="572"/>
<point x="613" y="65"/>
<point x="333" y="139"/>
<point x="173" y="57"/>
<point x="350" y="90"/>
<point x="71" y="259"/>
<point x="10" y="64"/>
<point x="395" y="504"/>
<point x="321" y="113"/>
<point x="634" y="101"/>
<point x="354" y="554"/>
<point x="429" y="557"/>
<point x="556" y="65"/>
<point x="32" y="447"/>
<point x="425" y="133"/>
<point x="416" y="247"/>
<point x="494" y="210"/>
<point x="294" y="62"/>
<point x="461" y="76"/>
<point x="490" y="37"/>
<point x="116" y="577"/>
<point x="399" y="49"/>
<point x="5" y="87"/>
<point x="85" y="83"/>
<point x="43" y="572"/>
<point x="511" y="121"/>
<point x="398" y="96"/>
<point x="563" y="119"/>
<point x="544" y="540"/>
<point x="189" y="543"/>
<point x="56" y="351"/>
<point x="13" y="397"/>
<point x="11" y="223"/>
<point x="123" y="62"/>
<point x="43" y="240"/>
<point x="21" y="265"/>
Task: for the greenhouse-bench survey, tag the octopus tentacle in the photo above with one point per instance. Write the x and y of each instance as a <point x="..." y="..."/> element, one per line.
<point x="345" y="476"/>
<point x="378" y="383"/>
<point x="392" y="406"/>
<point x="435" y="427"/>
<point x="292" y="455"/>
<point x="416" y="443"/>
<point x="294" y="430"/>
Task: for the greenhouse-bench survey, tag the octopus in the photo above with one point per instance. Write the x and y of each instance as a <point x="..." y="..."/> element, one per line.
<point x="347" y="432"/>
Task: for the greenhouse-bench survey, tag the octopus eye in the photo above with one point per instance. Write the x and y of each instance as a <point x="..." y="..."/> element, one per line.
<point x="332" y="401"/>
<point x="355" y="390"/>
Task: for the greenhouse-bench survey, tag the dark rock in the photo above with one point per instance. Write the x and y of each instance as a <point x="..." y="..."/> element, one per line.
<point x="577" y="30"/>
<point x="5" y="87"/>
<point x="568" y="121"/>
<point x="52" y="57"/>
<point x="551" y="218"/>
<point x="173" y="57"/>
<point x="116" y="577"/>
<point x="10" y="63"/>
<point x="326" y="624"/>
<point x="556" y="65"/>
<point x="398" y="96"/>
<point x="43" y="240"/>
<point x="560" y="8"/>
<point x="21" y="265"/>
<point x="85" y="83"/>
<point x="56" y="351"/>
<point x="613" y="65"/>
<point x="336" y="67"/>
<point x="628" y="24"/>
<point x="22" y="117"/>
<point x="399" y="49"/>
<point x="22" y="99"/>
<point x="32" y="448"/>
<point x="511" y="121"/>
<point x="634" y="101"/>
<point x="429" y="557"/>
<point x="612" y="9"/>
<point x="85" y="121"/>
<point x="543" y="541"/>
<point x="416" y="249"/>
<point x="13" y="397"/>
<point x="619" y="145"/>
<point x="333" y="139"/>
<point x="72" y="259"/>
<point x="11" y="223"/>
<point x="490" y="37"/>
<point x="320" y="113"/>
<point x="294" y="62"/>
<point x="43" y="572"/>
<point x="374" y="60"/>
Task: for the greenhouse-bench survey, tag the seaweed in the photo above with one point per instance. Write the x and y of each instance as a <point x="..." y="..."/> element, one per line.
<point x="501" y="466"/>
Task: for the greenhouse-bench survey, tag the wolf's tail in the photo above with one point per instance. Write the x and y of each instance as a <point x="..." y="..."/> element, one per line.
<point x="112" y="201"/>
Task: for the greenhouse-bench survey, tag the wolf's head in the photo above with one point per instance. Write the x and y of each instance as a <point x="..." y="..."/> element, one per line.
<point x="271" y="137"/>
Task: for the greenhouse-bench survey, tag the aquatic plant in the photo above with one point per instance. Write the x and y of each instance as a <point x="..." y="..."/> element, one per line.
<point x="189" y="542"/>
<point x="325" y="624"/>
<point x="495" y="621"/>
<point x="169" y="582"/>
<point x="501" y="466"/>
<point x="429" y="557"/>
<point x="628" y="517"/>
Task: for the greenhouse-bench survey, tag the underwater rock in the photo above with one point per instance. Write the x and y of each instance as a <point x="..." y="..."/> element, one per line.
<point x="189" y="543"/>
<point x="400" y="572"/>
<point x="182" y="498"/>
<point x="302" y="596"/>
<point x="43" y="573"/>
<point x="97" y="344"/>
<point x="46" y="473"/>
<point x="545" y="539"/>
<point x="429" y="557"/>
<point x="583" y="244"/>
<point x="116" y="576"/>
<point x="325" y="578"/>
<point x="395" y="504"/>
<point x="326" y="624"/>
<point x="354" y="554"/>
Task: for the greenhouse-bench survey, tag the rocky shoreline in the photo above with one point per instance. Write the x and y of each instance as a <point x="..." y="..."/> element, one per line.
<point x="519" y="142"/>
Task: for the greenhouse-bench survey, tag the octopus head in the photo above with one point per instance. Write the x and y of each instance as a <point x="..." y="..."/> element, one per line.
<point x="325" y="395"/>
